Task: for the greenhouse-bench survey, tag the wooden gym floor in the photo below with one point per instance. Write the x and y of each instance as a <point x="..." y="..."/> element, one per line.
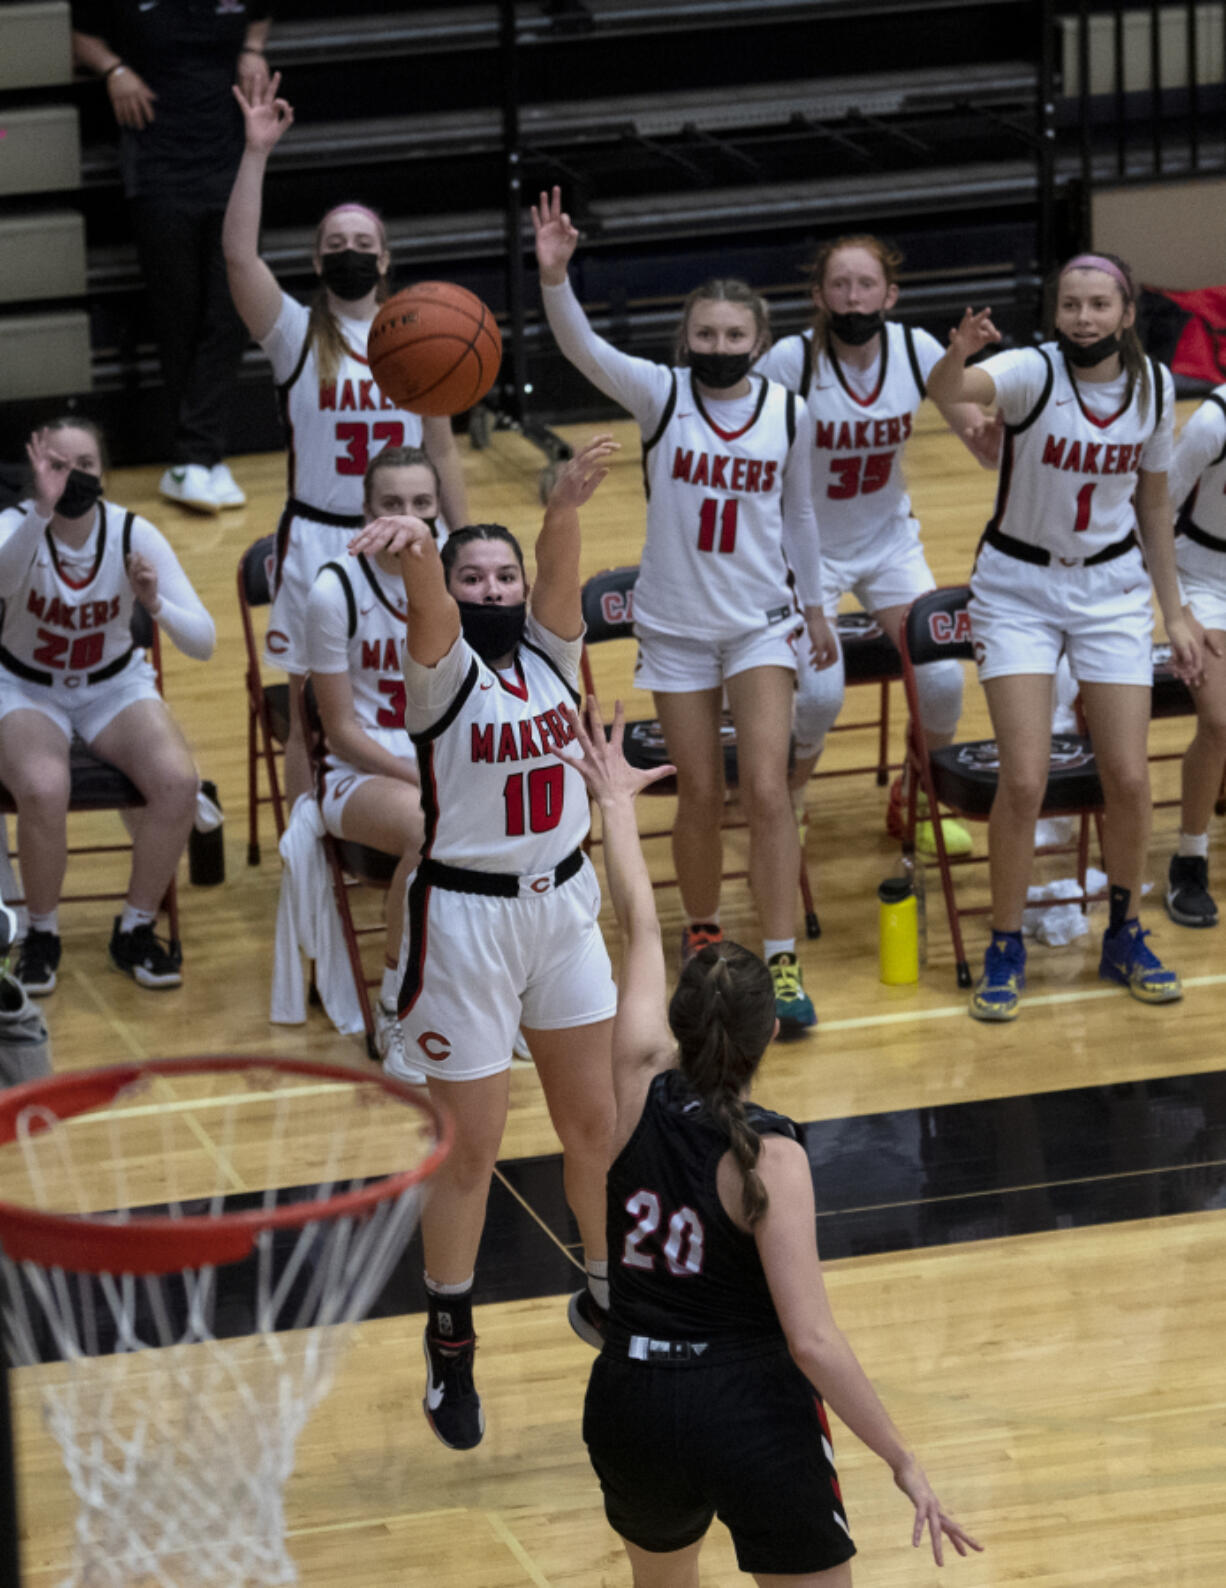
<point x="1029" y="1253"/>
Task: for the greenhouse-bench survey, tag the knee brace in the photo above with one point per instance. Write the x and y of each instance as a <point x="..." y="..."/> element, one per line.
<point x="939" y="686"/>
<point x="819" y="699"/>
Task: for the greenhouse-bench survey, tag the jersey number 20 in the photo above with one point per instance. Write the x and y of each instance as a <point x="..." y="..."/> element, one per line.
<point x="682" y="1246"/>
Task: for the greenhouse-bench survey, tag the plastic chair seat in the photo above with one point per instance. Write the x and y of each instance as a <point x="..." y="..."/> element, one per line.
<point x="644" y="748"/>
<point x="965" y="776"/>
<point x="869" y="654"/>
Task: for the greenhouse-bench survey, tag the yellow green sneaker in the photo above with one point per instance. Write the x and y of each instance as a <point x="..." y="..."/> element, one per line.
<point x="793" y="1007"/>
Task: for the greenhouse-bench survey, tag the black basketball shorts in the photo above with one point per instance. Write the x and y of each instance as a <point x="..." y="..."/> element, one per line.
<point x="675" y="1444"/>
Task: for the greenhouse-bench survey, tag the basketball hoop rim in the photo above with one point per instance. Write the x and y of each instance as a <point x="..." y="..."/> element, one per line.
<point x="160" y="1245"/>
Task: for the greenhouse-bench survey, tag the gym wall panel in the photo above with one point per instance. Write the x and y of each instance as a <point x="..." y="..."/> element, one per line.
<point x="44" y="355"/>
<point x="40" y="151"/>
<point x="42" y="256"/>
<point x="35" y="43"/>
<point x="1138" y="223"/>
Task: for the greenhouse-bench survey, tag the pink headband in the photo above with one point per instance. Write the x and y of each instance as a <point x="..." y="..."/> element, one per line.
<point x="1097" y="262"/>
<point x="360" y="208"/>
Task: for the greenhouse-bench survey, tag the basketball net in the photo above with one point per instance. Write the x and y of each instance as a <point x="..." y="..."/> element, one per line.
<point x="184" y="1297"/>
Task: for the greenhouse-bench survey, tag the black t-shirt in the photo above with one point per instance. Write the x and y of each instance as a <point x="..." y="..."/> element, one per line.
<point x="187" y="52"/>
<point x="679" y="1269"/>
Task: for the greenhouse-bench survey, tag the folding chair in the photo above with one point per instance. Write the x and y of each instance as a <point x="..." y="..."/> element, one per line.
<point x="96" y="785"/>
<point x="351" y="865"/>
<point x="869" y="657"/>
<point x="608" y="612"/>
<point x="268" y="706"/>
<point x="962" y="778"/>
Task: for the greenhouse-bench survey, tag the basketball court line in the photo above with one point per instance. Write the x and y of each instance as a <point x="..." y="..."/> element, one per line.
<point x="539" y="1580"/>
<point x="958" y="1011"/>
<point x="126" y="1034"/>
<point x="538" y="1220"/>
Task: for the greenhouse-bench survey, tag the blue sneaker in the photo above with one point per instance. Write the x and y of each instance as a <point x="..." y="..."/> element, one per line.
<point x="793" y="1007"/>
<point x="1004" y="975"/>
<point x="1129" y="960"/>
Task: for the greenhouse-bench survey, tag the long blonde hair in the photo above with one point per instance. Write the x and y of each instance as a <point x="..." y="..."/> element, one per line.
<point x="323" y="331"/>
<point x="1132" y="354"/>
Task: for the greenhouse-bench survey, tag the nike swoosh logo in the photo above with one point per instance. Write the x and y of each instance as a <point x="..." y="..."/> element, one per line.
<point x="1060" y="401"/>
<point x="178" y="474"/>
<point x="366" y="611"/>
<point x="434" y="1397"/>
<point x="830" y="387"/>
<point x="689" y="414"/>
<point x="490" y="685"/>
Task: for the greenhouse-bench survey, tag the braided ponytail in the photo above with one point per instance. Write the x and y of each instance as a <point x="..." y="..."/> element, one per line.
<point x="723" y="1016"/>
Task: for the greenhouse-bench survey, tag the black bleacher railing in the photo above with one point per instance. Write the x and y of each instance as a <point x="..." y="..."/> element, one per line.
<point x="690" y="137"/>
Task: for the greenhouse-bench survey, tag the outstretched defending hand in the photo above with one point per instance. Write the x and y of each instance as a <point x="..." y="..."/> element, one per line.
<point x="909" y="1476"/>
<point x="579" y="476"/>
<point x="398" y="535"/>
<point x="556" y="238"/>
<point x="265" y="117"/>
<point x="604" y="768"/>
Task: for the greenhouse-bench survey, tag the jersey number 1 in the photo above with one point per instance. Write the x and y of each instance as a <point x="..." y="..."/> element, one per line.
<point x="546" y="785"/>
<point x="1082" y="521"/>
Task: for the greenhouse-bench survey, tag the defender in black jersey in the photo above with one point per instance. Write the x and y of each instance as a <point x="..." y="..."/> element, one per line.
<point x="704" y="1400"/>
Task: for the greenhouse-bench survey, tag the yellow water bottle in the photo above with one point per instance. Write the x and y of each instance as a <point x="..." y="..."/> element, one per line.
<point x="899" y="932"/>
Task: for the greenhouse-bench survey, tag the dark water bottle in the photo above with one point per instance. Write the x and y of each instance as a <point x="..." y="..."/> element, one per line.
<point x="206" y="850"/>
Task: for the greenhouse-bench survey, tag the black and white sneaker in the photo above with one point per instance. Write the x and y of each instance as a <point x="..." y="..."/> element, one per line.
<point x="142" y="955"/>
<point x="452" y="1405"/>
<point x="587" y="1318"/>
<point x="38" y="962"/>
<point x="1188" y="900"/>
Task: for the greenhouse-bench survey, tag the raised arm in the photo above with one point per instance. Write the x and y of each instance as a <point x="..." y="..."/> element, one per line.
<point x="257" y="297"/>
<point x="787" y="1246"/>
<point x="642" y="1041"/>
<point x="438" y="440"/>
<point x="557" y="594"/>
<point x="950" y="382"/>
<point x="434" y="617"/>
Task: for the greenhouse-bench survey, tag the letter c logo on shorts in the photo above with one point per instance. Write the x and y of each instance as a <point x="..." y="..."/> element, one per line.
<point x="542" y="885"/>
<point x="276" y="642"/>
<point x="435" y="1045"/>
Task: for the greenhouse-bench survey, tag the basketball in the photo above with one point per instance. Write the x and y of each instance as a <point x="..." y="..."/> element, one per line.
<point x="434" y="349"/>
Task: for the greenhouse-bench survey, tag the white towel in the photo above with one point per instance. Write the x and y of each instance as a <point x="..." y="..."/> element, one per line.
<point x="308" y="923"/>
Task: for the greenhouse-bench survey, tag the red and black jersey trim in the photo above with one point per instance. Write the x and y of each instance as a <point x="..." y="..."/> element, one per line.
<point x="570" y="689"/>
<point x="417" y="925"/>
<point x="864" y="402"/>
<point x="670" y="407"/>
<point x="99" y="554"/>
<point x="424" y="739"/>
<point x="351" y="606"/>
<point x="733" y="435"/>
<point x="377" y="589"/>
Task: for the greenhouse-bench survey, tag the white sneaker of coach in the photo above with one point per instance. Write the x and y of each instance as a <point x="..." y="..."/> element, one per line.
<point x="225" y="487"/>
<point x="190" y="485"/>
<point x="389" y="1043"/>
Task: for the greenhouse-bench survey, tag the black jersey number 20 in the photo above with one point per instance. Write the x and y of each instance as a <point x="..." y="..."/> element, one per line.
<point x="683" y="1242"/>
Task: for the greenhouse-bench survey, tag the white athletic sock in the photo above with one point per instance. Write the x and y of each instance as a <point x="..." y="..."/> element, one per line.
<point x="389" y="987"/>
<point x="132" y="918"/>
<point x="45" y="923"/>
<point x="598" y="1281"/>
<point x="778" y="945"/>
<point x="1194" y="844"/>
<point x="449" y="1290"/>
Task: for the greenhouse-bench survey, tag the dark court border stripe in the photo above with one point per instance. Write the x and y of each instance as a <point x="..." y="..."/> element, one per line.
<point x="900" y="1181"/>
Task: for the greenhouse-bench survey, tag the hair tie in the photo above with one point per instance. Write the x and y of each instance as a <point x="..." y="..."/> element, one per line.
<point x="1099" y="262"/>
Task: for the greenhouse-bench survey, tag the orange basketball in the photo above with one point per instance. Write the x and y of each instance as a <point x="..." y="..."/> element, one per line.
<point x="434" y="349"/>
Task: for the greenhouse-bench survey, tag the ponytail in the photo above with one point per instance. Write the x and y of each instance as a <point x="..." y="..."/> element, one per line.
<point x="723" y="1015"/>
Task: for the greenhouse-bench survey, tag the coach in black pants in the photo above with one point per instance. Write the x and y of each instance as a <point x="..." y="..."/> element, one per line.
<point x="168" y="67"/>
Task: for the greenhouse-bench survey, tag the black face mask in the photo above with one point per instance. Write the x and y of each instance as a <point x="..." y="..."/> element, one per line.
<point x="349" y="274"/>
<point x="492" y="631"/>
<point x="719" y="371"/>
<point x="81" y="492"/>
<point x="1085" y="356"/>
<point x="856" y="328"/>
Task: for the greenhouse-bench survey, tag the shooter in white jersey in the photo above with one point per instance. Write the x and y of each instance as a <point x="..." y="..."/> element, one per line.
<point x="1198" y="490"/>
<point x="1088" y="424"/>
<point x="356" y="617"/>
<point x="729" y="513"/>
<point x="336" y="419"/>
<point x="864" y="378"/>
<point x="503" y="909"/>
<point x="72" y="567"/>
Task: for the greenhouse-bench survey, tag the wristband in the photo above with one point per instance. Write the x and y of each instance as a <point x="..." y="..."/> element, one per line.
<point x="119" y="66"/>
<point x="250" y="49"/>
